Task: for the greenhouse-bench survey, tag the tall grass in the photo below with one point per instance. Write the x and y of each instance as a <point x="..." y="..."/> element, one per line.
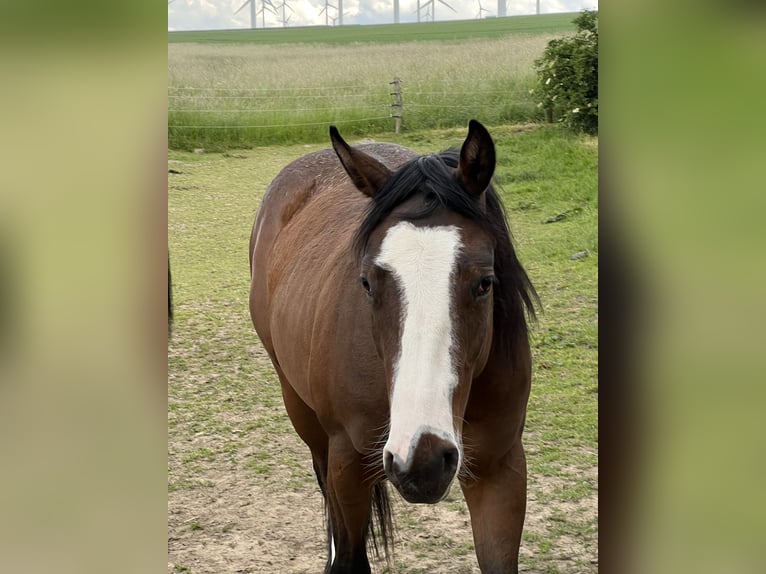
<point x="245" y="95"/>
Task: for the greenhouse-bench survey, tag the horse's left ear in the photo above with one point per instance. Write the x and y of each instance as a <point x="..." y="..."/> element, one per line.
<point x="367" y="173"/>
<point x="477" y="159"/>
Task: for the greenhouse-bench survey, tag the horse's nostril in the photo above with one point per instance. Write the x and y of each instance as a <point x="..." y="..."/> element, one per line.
<point x="388" y="461"/>
<point x="450" y="457"/>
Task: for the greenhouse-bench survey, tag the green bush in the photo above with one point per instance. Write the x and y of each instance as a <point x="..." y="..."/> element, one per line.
<point x="568" y="76"/>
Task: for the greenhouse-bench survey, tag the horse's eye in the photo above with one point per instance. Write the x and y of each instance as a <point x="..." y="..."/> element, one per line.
<point x="485" y="285"/>
<point x="366" y="285"/>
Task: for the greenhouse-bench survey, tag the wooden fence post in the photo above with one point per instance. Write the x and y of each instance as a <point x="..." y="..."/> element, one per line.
<point x="397" y="105"/>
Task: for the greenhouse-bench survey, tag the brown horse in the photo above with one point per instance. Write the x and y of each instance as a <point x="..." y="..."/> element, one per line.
<point x="388" y="295"/>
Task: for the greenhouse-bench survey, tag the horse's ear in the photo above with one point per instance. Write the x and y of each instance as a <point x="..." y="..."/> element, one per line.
<point x="477" y="159"/>
<point x="367" y="173"/>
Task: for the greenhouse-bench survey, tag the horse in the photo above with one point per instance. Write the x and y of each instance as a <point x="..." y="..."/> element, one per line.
<point x="388" y="295"/>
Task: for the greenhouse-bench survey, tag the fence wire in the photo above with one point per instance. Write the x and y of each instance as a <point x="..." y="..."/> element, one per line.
<point x="204" y="127"/>
<point x="255" y="102"/>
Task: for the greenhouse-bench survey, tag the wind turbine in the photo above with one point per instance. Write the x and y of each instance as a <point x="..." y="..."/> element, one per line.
<point x="396" y="11"/>
<point x="327" y="13"/>
<point x="433" y="8"/>
<point x="254" y="14"/>
<point x="285" y="19"/>
<point x="481" y="9"/>
<point x="502" y="8"/>
<point x="430" y="7"/>
<point x="338" y="12"/>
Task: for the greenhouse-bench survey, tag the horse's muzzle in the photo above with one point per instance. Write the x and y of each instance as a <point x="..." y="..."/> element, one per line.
<point x="426" y="477"/>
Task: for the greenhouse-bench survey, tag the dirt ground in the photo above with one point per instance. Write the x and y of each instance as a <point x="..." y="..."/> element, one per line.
<point x="241" y="525"/>
<point x="227" y="514"/>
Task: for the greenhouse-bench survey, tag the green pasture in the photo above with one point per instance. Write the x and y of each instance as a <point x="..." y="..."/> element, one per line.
<point x="386" y="33"/>
<point x="224" y="404"/>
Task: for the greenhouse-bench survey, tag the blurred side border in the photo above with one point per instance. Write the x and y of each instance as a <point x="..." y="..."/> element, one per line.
<point x="83" y="361"/>
<point x="681" y="283"/>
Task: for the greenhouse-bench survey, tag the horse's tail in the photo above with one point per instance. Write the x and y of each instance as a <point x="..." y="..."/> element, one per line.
<point x="381" y="528"/>
<point x="330" y="549"/>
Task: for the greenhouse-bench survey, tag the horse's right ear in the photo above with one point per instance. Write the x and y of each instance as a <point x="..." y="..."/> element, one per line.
<point x="367" y="173"/>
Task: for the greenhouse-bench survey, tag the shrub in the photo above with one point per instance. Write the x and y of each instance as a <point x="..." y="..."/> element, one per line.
<point x="568" y="76"/>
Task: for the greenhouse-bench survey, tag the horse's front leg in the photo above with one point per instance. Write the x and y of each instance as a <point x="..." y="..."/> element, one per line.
<point x="497" y="500"/>
<point x="350" y="498"/>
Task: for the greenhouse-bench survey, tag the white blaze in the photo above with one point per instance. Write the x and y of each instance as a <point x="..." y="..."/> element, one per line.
<point x="423" y="260"/>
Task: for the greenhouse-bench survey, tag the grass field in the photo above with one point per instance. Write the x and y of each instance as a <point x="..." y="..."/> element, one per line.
<point x="386" y="33"/>
<point x="277" y="90"/>
<point x="242" y="496"/>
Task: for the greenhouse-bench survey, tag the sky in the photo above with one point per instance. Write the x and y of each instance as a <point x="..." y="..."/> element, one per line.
<point x="219" y="14"/>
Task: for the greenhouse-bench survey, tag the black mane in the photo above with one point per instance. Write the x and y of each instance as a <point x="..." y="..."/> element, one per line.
<point x="432" y="177"/>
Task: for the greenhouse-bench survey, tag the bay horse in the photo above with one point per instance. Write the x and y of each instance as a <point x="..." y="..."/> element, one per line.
<point x="388" y="295"/>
